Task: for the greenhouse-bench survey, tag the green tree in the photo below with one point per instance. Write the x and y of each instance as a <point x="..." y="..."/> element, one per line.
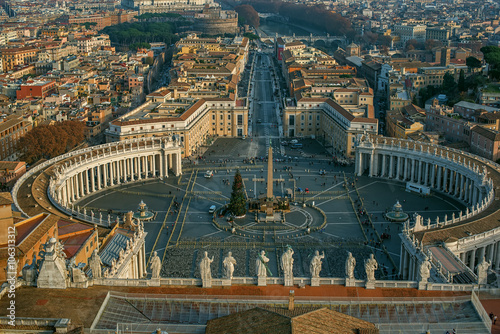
<point x="238" y="203"/>
<point x="473" y="63"/>
<point x="449" y="84"/>
<point x="461" y="82"/>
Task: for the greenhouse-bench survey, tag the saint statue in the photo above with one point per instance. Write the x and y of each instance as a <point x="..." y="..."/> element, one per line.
<point x="155" y="266"/>
<point x="287" y="262"/>
<point x="370" y="266"/>
<point x="95" y="264"/>
<point x="261" y="264"/>
<point x="229" y="263"/>
<point x="315" y="266"/>
<point x="425" y="270"/>
<point x="350" y="264"/>
<point x="205" y="271"/>
<point x="482" y="271"/>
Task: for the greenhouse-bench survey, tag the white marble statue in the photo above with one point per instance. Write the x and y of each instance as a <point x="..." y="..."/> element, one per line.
<point x="425" y="270"/>
<point x="287" y="263"/>
<point x="315" y="266"/>
<point x="95" y="264"/>
<point x="482" y="271"/>
<point x="350" y="264"/>
<point x="229" y="263"/>
<point x="261" y="264"/>
<point x="155" y="266"/>
<point x="370" y="266"/>
<point x="205" y="271"/>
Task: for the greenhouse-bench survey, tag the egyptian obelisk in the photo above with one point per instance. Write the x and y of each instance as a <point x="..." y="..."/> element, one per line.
<point x="270" y="196"/>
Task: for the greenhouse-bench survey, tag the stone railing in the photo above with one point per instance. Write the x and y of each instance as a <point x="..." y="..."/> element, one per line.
<point x="300" y="281"/>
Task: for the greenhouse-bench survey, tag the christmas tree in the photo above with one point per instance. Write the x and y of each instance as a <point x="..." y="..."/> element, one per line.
<point x="237" y="204"/>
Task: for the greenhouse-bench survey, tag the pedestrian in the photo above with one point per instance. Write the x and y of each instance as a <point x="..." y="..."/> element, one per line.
<point x="494" y="319"/>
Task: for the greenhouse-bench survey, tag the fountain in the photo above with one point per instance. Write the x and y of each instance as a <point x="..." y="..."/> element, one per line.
<point x="397" y="214"/>
<point x="143" y="213"/>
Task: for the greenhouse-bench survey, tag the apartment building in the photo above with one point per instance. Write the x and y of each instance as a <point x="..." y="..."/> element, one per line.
<point x="327" y="121"/>
<point x="12" y="128"/>
<point x="407" y="32"/>
<point x="193" y="122"/>
<point x="12" y="57"/>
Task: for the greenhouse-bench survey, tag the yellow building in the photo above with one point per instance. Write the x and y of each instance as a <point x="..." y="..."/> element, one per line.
<point x="327" y="121"/>
<point x="193" y="123"/>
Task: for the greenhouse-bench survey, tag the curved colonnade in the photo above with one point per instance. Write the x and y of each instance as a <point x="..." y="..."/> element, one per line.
<point x="464" y="176"/>
<point x="86" y="171"/>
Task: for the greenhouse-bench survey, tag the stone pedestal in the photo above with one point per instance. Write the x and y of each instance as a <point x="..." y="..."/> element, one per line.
<point x="226" y="282"/>
<point x="288" y="281"/>
<point x="261" y="281"/>
<point x="154" y="282"/>
<point x="206" y="283"/>
<point x="370" y="285"/>
<point x="314" y="281"/>
<point x="423" y="286"/>
<point x="349" y="282"/>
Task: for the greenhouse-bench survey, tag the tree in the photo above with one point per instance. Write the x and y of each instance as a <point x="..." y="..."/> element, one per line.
<point x="238" y="203"/>
<point x="461" y="82"/>
<point x="449" y="84"/>
<point x="247" y="15"/>
<point x="49" y="141"/>
<point x="432" y="43"/>
<point x="472" y="63"/>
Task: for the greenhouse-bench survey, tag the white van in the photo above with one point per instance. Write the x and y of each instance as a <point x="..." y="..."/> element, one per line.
<point x="212" y="209"/>
<point x="294" y="141"/>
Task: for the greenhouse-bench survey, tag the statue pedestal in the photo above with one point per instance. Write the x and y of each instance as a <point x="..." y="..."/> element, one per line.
<point x="206" y="283"/>
<point x="370" y="285"/>
<point x="226" y="282"/>
<point x="423" y="286"/>
<point x="154" y="282"/>
<point x="350" y="282"/>
<point x="261" y="281"/>
<point x="314" y="281"/>
<point x="288" y="281"/>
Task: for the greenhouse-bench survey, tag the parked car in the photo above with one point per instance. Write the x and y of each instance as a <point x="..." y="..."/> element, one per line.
<point x="212" y="209"/>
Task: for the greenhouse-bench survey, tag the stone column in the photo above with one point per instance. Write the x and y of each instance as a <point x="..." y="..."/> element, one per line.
<point x="433" y="175"/>
<point x="445" y="180"/>
<point x="391" y="166"/>
<point x="472" y="260"/>
<point x="452" y="179"/>
<point x="420" y="167"/>
<point x="153" y="165"/>
<point x="360" y="164"/>
<point x="111" y="173"/>
<point x="410" y="274"/>
<point x="400" y="168"/>
<point x="471" y="192"/>
<point x="462" y="257"/>
<point x="426" y="173"/>
<point x="77" y="186"/>
<point x="497" y="255"/>
<point x="405" y="169"/>
<point x="384" y="163"/>
<point x="482" y="251"/>
<point x="139" y="263"/>
<point x="119" y="171"/>
<point x="474" y="195"/>
<point x="491" y="249"/>
<point x="412" y="174"/>
<point x="439" y="182"/>
<point x="461" y="188"/>
<point x="68" y="192"/>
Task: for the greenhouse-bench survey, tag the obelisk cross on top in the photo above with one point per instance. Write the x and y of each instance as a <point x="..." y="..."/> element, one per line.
<point x="270" y="195"/>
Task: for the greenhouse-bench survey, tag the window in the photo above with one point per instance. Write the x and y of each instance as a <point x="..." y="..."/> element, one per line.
<point x="291" y="120"/>
<point x="240" y="119"/>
